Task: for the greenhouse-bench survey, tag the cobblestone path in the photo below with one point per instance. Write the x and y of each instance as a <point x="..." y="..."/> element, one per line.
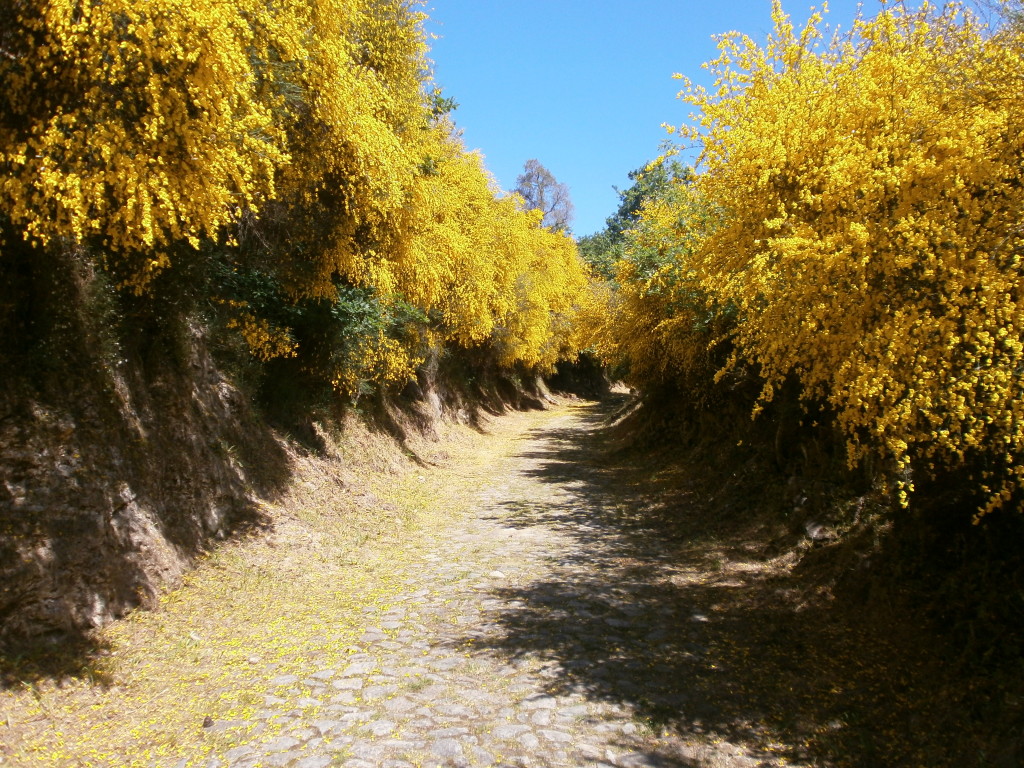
<point x="536" y="632"/>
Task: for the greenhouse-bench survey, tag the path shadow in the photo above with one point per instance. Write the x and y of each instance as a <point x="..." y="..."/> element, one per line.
<point x="652" y="608"/>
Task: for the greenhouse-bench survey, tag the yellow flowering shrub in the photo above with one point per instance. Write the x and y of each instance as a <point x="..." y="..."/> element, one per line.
<point x="381" y="194"/>
<point x="379" y="359"/>
<point x="352" y="104"/>
<point x="536" y="331"/>
<point x="133" y="123"/>
<point x="872" y="190"/>
<point x="657" y="326"/>
<point x="296" y="148"/>
<point x="264" y="340"/>
<point x="447" y="266"/>
<point x="484" y="267"/>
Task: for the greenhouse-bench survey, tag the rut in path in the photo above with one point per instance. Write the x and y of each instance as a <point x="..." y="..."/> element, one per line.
<point x="543" y="629"/>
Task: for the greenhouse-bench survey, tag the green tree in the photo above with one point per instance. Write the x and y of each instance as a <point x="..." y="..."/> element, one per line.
<point x="603" y="250"/>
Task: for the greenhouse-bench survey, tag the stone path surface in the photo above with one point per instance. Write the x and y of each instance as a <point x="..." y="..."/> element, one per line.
<point x="533" y="633"/>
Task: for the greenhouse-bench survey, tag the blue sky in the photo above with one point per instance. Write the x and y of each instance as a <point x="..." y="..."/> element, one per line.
<point x="583" y="85"/>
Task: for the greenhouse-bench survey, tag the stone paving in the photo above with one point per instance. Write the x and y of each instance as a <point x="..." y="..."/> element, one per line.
<point x="531" y="634"/>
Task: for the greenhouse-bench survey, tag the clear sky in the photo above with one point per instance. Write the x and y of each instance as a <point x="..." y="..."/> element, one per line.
<point x="584" y="85"/>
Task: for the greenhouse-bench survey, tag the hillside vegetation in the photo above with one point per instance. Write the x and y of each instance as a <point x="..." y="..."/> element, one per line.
<point x="205" y="205"/>
<point x="855" y="231"/>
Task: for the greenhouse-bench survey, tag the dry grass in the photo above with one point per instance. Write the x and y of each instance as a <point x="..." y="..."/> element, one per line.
<point x="291" y="602"/>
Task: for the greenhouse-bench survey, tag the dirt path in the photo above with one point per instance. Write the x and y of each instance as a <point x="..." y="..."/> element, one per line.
<point x="515" y="623"/>
<point x="533" y="632"/>
<point x="538" y="614"/>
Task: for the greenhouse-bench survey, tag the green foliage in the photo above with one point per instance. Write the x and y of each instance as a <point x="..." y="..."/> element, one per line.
<point x="603" y="250"/>
<point x="652" y="182"/>
<point x="665" y="330"/>
<point x="440" y="105"/>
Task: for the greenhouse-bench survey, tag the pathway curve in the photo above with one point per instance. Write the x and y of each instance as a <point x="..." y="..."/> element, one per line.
<point x="538" y="631"/>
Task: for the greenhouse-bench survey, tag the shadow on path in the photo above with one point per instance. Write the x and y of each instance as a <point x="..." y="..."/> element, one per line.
<point x="651" y="609"/>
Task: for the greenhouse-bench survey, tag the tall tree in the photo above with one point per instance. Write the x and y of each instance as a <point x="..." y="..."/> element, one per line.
<point x="541" y="191"/>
